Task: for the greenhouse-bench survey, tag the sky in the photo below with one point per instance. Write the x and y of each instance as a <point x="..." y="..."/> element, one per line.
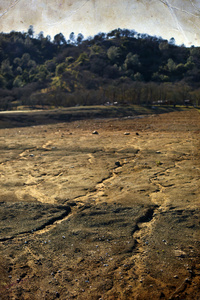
<point x="179" y="19"/>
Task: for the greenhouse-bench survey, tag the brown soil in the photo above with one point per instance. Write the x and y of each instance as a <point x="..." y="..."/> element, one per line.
<point x="101" y="216"/>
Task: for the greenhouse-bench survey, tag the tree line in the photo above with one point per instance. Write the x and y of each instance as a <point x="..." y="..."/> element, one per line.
<point x="119" y="66"/>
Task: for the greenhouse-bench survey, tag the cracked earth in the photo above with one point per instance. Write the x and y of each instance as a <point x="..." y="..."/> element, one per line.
<point x="101" y="216"/>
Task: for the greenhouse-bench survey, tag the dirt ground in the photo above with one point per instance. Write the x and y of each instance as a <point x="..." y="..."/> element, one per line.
<point x="106" y="215"/>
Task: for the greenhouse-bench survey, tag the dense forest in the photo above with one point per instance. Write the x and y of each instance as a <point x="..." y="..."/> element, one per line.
<point x="121" y="66"/>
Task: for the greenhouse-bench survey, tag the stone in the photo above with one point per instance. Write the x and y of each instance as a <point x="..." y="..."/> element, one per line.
<point x="117" y="163"/>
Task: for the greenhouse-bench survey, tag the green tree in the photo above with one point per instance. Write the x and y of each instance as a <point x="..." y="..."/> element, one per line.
<point x="18" y="82"/>
<point x="172" y="41"/>
<point x="19" y="70"/>
<point x="25" y="60"/>
<point x="17" y="61"/>
<point x="131" y="61"/>
<point x="171" y="65"/>
<point x="138" y="77"/>
<point x="80" y="38"/>
<point x="40" y="36"/>
<point x="6" y="69"/>
<point x="2" y="82"/>
<point x="83" y="57"/>
<point x="72" y="38"/>
<point x="60" y="69"/>
<point x="31" y="31"/>
<point x="113" y="53"/>
<point x="59" y="39"/>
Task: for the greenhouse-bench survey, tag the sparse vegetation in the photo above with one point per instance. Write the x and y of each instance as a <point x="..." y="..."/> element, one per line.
<point x="158" y="163"/>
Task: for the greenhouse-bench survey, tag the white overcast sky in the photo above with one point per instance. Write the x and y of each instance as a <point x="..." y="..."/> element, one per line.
<point x="167" y="18"/>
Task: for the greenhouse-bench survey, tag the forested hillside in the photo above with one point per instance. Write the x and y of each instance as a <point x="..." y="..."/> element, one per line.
<point x="120" y="66"/>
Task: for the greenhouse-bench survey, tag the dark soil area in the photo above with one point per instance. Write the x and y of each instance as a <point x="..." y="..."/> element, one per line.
<point x="9" y="119"/>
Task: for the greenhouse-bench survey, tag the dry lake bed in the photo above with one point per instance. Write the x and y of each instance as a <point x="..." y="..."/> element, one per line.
<point x="101" y="209"/>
